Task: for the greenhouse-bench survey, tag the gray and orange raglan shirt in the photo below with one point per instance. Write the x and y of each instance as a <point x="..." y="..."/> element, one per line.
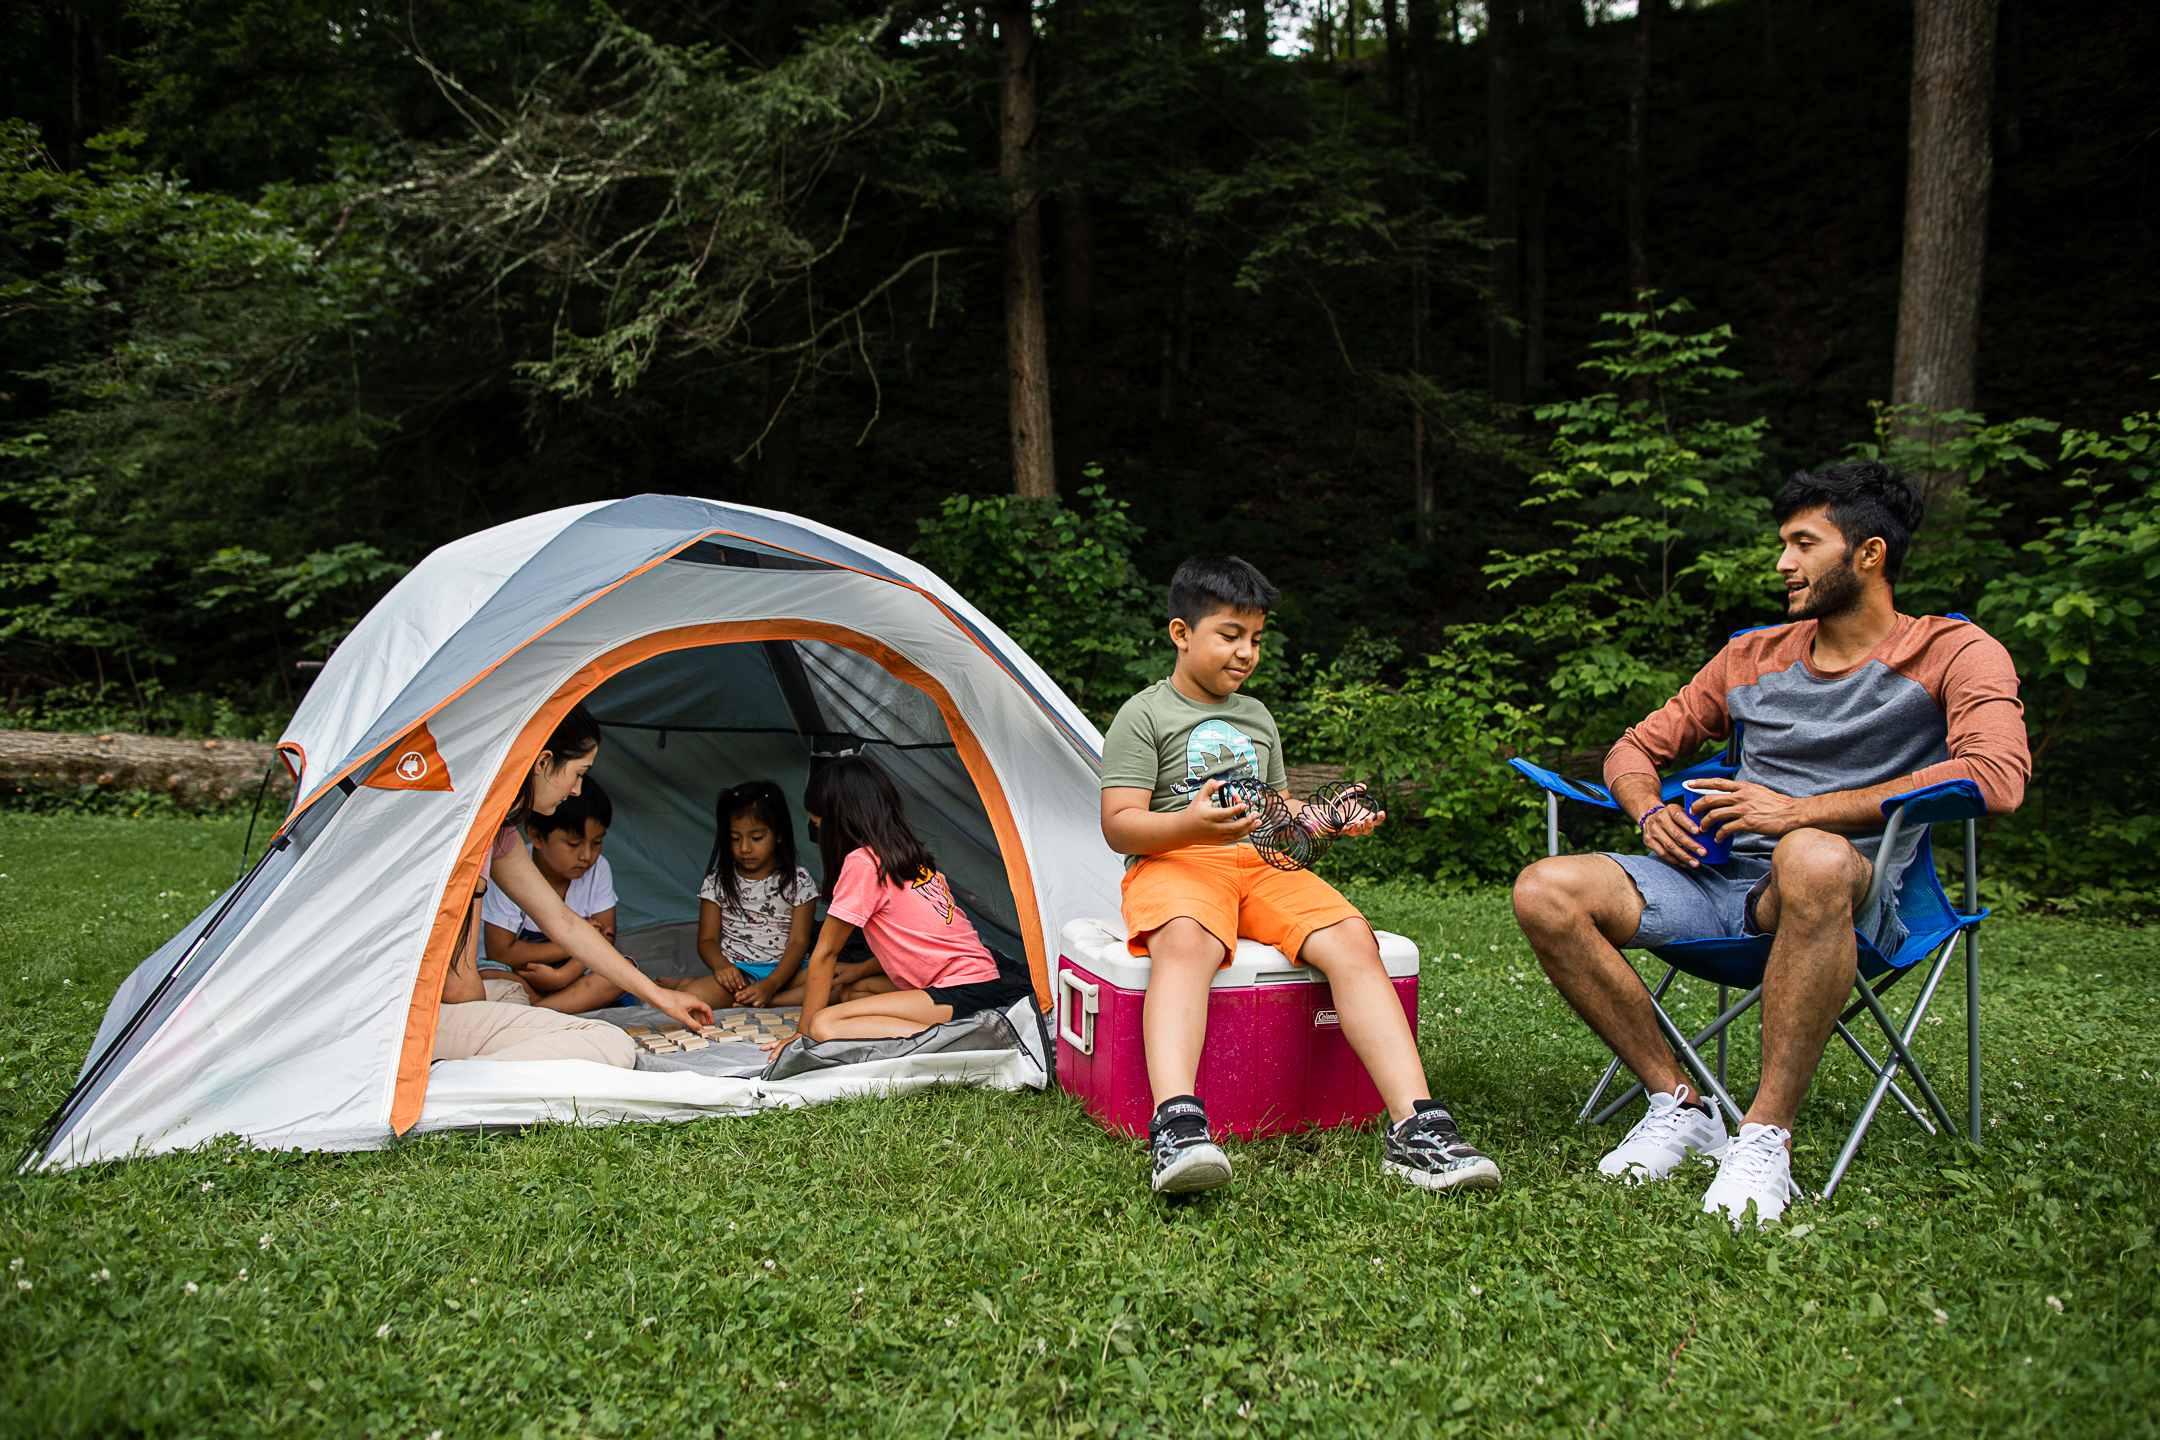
<point x="1936" y="701"/>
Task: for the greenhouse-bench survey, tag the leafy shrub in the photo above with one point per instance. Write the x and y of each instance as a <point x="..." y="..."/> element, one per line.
<point x="1061" y="582"/>
<point x="1434" y="747"/>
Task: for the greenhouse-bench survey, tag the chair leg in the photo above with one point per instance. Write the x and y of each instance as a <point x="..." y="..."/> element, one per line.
<point x="1875" y="1068"/>
<point x="1694" y="1062"/>
<point x="1552" y="823"/>
<point x="1722" y="996"/>
<point x="1715" y="1027"/>
<point x="1902" y="1044"/>
<point x="1882" y="1082"/>
<point x="1972" y="1034"/>
<point x="1614" y="1068"/>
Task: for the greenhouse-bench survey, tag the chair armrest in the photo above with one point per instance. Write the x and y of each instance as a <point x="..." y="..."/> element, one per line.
<point x="1564" y="787"/>
<point x="1950" y="800"/>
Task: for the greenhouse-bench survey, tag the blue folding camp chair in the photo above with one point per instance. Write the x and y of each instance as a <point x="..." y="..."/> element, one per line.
<point x="1933" y="929"/>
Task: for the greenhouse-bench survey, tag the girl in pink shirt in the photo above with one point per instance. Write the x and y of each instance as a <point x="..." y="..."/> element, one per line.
<point x="882" y="880"/>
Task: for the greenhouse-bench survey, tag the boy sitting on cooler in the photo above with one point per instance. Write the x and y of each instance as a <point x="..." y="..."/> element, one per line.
<point x="1191" y="889"/>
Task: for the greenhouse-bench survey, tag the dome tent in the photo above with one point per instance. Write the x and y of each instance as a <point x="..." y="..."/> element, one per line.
<point x="715" y="643"/>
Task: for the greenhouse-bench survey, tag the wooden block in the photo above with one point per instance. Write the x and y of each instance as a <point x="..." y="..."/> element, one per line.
<point x="695" y="1042"/>
<point x="637" y="1030"/>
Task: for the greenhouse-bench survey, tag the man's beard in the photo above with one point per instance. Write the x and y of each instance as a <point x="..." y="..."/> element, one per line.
<point x="1829" y="595"/>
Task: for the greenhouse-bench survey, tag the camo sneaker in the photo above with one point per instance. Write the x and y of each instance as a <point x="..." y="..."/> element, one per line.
<point x="1430" y="1153"/>
<point x="1185" y="1158"/>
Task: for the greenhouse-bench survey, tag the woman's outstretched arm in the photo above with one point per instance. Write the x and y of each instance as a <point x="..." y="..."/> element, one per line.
<point x="530" y="892"/>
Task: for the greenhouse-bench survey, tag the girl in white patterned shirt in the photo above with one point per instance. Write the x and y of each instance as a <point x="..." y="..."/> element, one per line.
<point x="756" y="905"/>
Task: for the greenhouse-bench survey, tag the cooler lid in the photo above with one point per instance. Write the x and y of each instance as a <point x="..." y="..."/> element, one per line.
<point x="1099" y="947"/>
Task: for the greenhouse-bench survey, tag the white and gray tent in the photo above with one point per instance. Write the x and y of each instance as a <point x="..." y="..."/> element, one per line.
<point x="715" y="643"/>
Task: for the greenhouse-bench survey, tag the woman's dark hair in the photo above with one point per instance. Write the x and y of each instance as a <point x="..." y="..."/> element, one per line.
<point x="575" y="736"/>
<point x="590" y="803"/>
<point x="763" y="802"/>
<point x="1206" y="584"/>
<point x="1866" y="500"/>
<point x="857" y="805"/>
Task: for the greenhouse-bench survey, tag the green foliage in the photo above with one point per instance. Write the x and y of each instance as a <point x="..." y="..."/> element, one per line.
<point x="1000" y="1268"/>
<point x="1061" y="582"/>
<point x="1663" y="518"/>
<point x="1434" y="747"/>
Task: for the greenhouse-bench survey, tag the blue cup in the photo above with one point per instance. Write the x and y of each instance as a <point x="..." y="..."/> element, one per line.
<point x="1715" y="850"/>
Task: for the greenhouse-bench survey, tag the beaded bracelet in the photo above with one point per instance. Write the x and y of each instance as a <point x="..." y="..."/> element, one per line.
<point x="1644" y="818"/>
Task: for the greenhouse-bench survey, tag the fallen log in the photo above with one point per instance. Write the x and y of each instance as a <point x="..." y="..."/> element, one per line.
<point x="197" y="774"/>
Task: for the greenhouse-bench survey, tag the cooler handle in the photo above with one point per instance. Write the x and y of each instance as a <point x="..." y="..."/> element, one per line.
<point x="1090" y="1003"/>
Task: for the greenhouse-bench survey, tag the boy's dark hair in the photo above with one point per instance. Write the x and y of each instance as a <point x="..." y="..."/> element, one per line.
<point x="575" y="736"/>
<point x="857" y="804"/>
<point x="590" y="803"/>
<point x="1866" y="499"/>
<point x="1207" y="584"/>
<point x="761" y="800"/>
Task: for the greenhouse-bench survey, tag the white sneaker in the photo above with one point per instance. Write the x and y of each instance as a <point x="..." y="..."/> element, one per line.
<point x="1663" y="1139"/>
<point x="1757" y="1170"/>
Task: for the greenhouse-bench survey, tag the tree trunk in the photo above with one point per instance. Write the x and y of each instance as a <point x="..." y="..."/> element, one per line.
<point x="194" y="773"/>
<point x="1424" y="498"/>
<point x="1501" y="202"/>
<point x="1638" y="170"/>
<point x="1534" y="276"/>
<point x="1256" y="28"/>
<point x="1076" y="307"/>
<point x="1946" y="195"/>
<point x="1392" y="28"/>
<point x="1027" y="345"/>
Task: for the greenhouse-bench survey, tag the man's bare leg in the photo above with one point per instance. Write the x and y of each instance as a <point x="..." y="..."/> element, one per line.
<point x="1183" y="958"/>
<point x="1576" y="911"/>
<point x="1817" y="880"/>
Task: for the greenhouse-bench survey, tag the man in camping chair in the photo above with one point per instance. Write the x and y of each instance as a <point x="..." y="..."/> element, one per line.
<point x="1845" y="706"/>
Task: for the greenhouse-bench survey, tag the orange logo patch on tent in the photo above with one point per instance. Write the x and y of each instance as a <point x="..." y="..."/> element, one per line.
<point x="412" y="764"/>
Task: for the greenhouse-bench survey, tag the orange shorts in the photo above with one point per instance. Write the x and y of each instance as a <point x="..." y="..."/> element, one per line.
<point x="1230" y="891"/>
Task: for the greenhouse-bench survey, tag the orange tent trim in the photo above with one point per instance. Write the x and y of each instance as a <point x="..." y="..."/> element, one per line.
<point x="418" y="1051"/>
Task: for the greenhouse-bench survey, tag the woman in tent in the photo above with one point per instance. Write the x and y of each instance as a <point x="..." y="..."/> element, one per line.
<point x="473" y="1027"/>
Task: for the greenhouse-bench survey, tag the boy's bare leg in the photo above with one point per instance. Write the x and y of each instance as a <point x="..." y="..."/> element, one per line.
<point x="1576" y="911"/>
<point x="590" y="991"/>
<point x="1817" y="880"/>
<point x="1183" y="958"/>
<point x="1372" y="1015"/>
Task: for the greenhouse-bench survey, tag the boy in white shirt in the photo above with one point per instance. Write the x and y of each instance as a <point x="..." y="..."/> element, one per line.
<point x="520" y="961"/>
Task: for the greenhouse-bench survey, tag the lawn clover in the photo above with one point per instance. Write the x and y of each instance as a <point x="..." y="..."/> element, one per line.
<point x="769" y="1264"/>
<point x="1477" y="1290"/>
<point x="1377" y="1263"/>
<point x="206" y="1186"/>
<point x="242" y="1275"/>
<point x="263" y="1243"/>
<point x="22" y="1284"/>
<point x="649" y="1320"/>
<point x="188" y="1289"/>
<point x="101" y="1275"/>
<point x="2055" y="1304"/>
<point x="1244" y="1409"/>
<point x="1874" y="1222"/>
<point x="1942" y="1316"/>
<point x="951" y="1323"/>
<point x="731" y="1224"/>
<point x="382" y="1331"/>
<point x="15" y="1264"/>
<point x="1207" y="1402"/>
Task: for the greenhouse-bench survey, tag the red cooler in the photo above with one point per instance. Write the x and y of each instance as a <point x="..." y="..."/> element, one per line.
<point x="1275" y="1057"/>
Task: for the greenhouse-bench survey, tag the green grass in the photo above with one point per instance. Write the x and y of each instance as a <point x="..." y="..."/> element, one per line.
<point x="961" y="1264"/>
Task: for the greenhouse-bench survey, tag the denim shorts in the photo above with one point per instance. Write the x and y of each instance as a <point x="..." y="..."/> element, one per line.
<point x="1717" y="902"/>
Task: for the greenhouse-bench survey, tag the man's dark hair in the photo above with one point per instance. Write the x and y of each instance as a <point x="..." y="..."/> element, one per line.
<point x="1206" y="584"/>
<point x="590" y="803"/>
<point x="1866" y="499"/>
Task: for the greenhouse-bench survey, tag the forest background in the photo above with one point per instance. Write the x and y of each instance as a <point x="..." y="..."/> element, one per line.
<point x="1486" y="330"/>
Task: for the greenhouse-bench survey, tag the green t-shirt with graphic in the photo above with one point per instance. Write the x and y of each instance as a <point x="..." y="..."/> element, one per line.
<point x="1171" y="746"/>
